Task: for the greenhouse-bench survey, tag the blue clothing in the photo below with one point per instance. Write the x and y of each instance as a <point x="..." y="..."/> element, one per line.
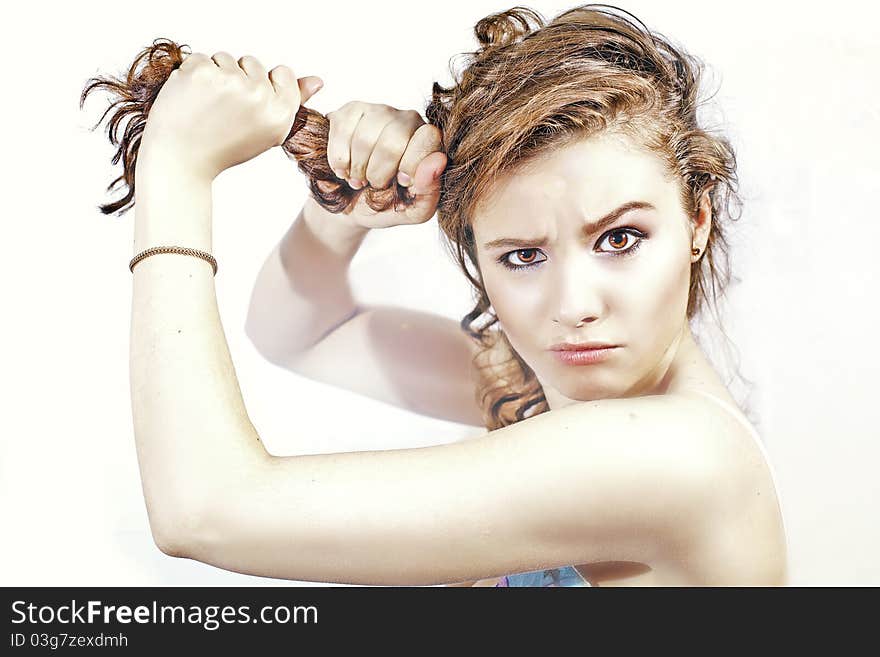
<point x="565" y="576"/>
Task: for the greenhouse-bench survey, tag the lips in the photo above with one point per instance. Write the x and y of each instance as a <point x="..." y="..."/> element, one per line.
<point x="569" y="346"/>
<point x="585" y="353"/>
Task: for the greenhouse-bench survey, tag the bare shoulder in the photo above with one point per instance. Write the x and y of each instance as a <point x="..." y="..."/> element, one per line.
<point x="675" y="481"/>
<point x="746" y="543"/>
<point x="647" y="470"/>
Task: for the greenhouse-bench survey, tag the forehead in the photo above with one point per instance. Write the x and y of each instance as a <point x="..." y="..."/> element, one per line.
<point x="587" y="178"/>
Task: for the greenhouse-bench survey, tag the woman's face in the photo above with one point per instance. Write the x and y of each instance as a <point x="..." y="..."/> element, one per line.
<point x="624" y="282"/>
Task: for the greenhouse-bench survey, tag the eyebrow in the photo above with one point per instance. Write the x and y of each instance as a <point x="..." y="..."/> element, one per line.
<point x="588" y="229"/>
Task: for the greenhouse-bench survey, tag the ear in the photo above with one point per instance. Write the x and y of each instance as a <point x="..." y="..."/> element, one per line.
<point x="702" y="225"/>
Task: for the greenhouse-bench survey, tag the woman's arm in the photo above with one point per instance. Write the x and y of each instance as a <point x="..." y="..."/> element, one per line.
<point x="303" y="315"/>
<point x="616" y="480"/>
<point x="303" y="318"/>
<point x="662" y="481"/>
<point x="302" y="292"/>
<point x="191" y="427"/>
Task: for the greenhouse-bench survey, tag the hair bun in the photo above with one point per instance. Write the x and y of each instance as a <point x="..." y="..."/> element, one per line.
<point x="507" y="27"/>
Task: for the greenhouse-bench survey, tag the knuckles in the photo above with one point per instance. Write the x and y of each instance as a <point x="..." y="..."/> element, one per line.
<point x="433" y="136"/>
<point x="387" y="150"/>
<point x="250" y="61"/>
<point x="361" y="143"/>
<point x="283" y="71"/>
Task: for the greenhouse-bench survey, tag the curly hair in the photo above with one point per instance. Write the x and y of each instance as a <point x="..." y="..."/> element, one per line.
<point x="134" y="93"/>
<point x="534" y="86"/>
<point x="531" y="87"/>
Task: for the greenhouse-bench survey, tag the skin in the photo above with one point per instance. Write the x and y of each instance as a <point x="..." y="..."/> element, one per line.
<point x="578" y="289"/>
<point x="670" y="483"/>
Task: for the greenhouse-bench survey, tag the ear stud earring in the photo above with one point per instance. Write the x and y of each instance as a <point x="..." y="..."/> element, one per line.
<point x="695" y="251"/>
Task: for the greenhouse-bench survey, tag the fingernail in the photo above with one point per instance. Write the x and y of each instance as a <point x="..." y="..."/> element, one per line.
<point x="404" y="179"/>
<point x="356" y="184"/>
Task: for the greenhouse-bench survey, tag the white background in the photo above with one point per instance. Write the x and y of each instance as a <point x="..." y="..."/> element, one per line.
<point x="798" y="97"/>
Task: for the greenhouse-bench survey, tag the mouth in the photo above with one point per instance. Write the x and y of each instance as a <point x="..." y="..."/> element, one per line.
<point x="583" y="354"/>
<point x="581" y="346"/>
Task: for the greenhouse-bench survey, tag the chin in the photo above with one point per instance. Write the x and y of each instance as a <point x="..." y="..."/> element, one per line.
<point x="590" y="390"/>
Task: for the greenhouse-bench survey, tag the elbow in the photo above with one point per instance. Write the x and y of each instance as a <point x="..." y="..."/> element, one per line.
<point x="204" y="525"/>
<point x="180" y="532"/>
<point x="169" y="544"/>
<point x="252" y="333"/>
<point x="274" y="354"/>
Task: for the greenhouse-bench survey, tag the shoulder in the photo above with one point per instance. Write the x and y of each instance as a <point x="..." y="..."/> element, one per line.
<point x="638" y="472"/>
<point x="747" y="543"/>
<point x="657" y="424"/>
<point x="672" y="478"/>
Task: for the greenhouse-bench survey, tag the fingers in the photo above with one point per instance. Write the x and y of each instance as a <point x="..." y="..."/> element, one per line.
<point x="391" y="145"/>
<point x="342" y="125"/>
<point x="252" y="66"/>
<point x="370" y="143"/>
<point x="194" y="59"/>
<point x="363" y="141"/>
<point x="308" y="87"/>
<point x="282" y="79"/>
<point x="226" y="61"/>
<point x="285" y="84"/>
<point x="424" y="141"/>
<point x="426" y="186"/>
<point x="354" y="129"/>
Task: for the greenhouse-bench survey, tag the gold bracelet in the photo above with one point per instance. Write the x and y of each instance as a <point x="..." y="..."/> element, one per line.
<point x="172" y="249"/>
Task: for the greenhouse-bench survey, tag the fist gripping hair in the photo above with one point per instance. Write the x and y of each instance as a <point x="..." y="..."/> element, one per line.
<point x="306" y="142"/>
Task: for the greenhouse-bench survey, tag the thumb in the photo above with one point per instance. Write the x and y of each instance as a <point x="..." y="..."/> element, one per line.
<point x="426" y="184"/>
<point x="427" y="175"/>
<point x="308" y="87"/>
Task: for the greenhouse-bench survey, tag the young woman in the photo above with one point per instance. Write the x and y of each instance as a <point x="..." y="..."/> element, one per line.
<point x="586" y="206"/>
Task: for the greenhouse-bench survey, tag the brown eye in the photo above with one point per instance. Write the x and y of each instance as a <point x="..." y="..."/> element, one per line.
<point x="523" y="262"/>
<point x="618" y="239"/>
<point x="621" y="241"/>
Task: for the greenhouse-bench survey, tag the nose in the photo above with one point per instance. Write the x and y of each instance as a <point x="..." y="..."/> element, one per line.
<point x="579" y="297"/>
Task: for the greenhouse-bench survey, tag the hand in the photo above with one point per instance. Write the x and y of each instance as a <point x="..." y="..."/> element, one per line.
<point x="373" y="143"/>
<point x="215" y="112"/>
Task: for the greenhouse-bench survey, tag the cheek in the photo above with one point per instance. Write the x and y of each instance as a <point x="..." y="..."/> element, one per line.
<point x="519" y="308"/>
<point x="515" y="308"/>
<point x="512" y="296"/>
<point x="659" y="293"/>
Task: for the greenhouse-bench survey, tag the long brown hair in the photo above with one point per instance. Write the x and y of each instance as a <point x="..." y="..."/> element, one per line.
<point x="532" y="86"/>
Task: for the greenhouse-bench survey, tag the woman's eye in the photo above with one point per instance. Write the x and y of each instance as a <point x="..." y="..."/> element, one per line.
<point x="526" y="257"/>
<point x="621" y="240"/>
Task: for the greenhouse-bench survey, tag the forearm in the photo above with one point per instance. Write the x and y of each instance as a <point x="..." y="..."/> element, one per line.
<point x="302" y="290"/>
<point x="187" y="408"/>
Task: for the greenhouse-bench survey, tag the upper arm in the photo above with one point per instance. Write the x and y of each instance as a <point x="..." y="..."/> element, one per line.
<point x="612" y="480"/>
<point x="418" y="361"/>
